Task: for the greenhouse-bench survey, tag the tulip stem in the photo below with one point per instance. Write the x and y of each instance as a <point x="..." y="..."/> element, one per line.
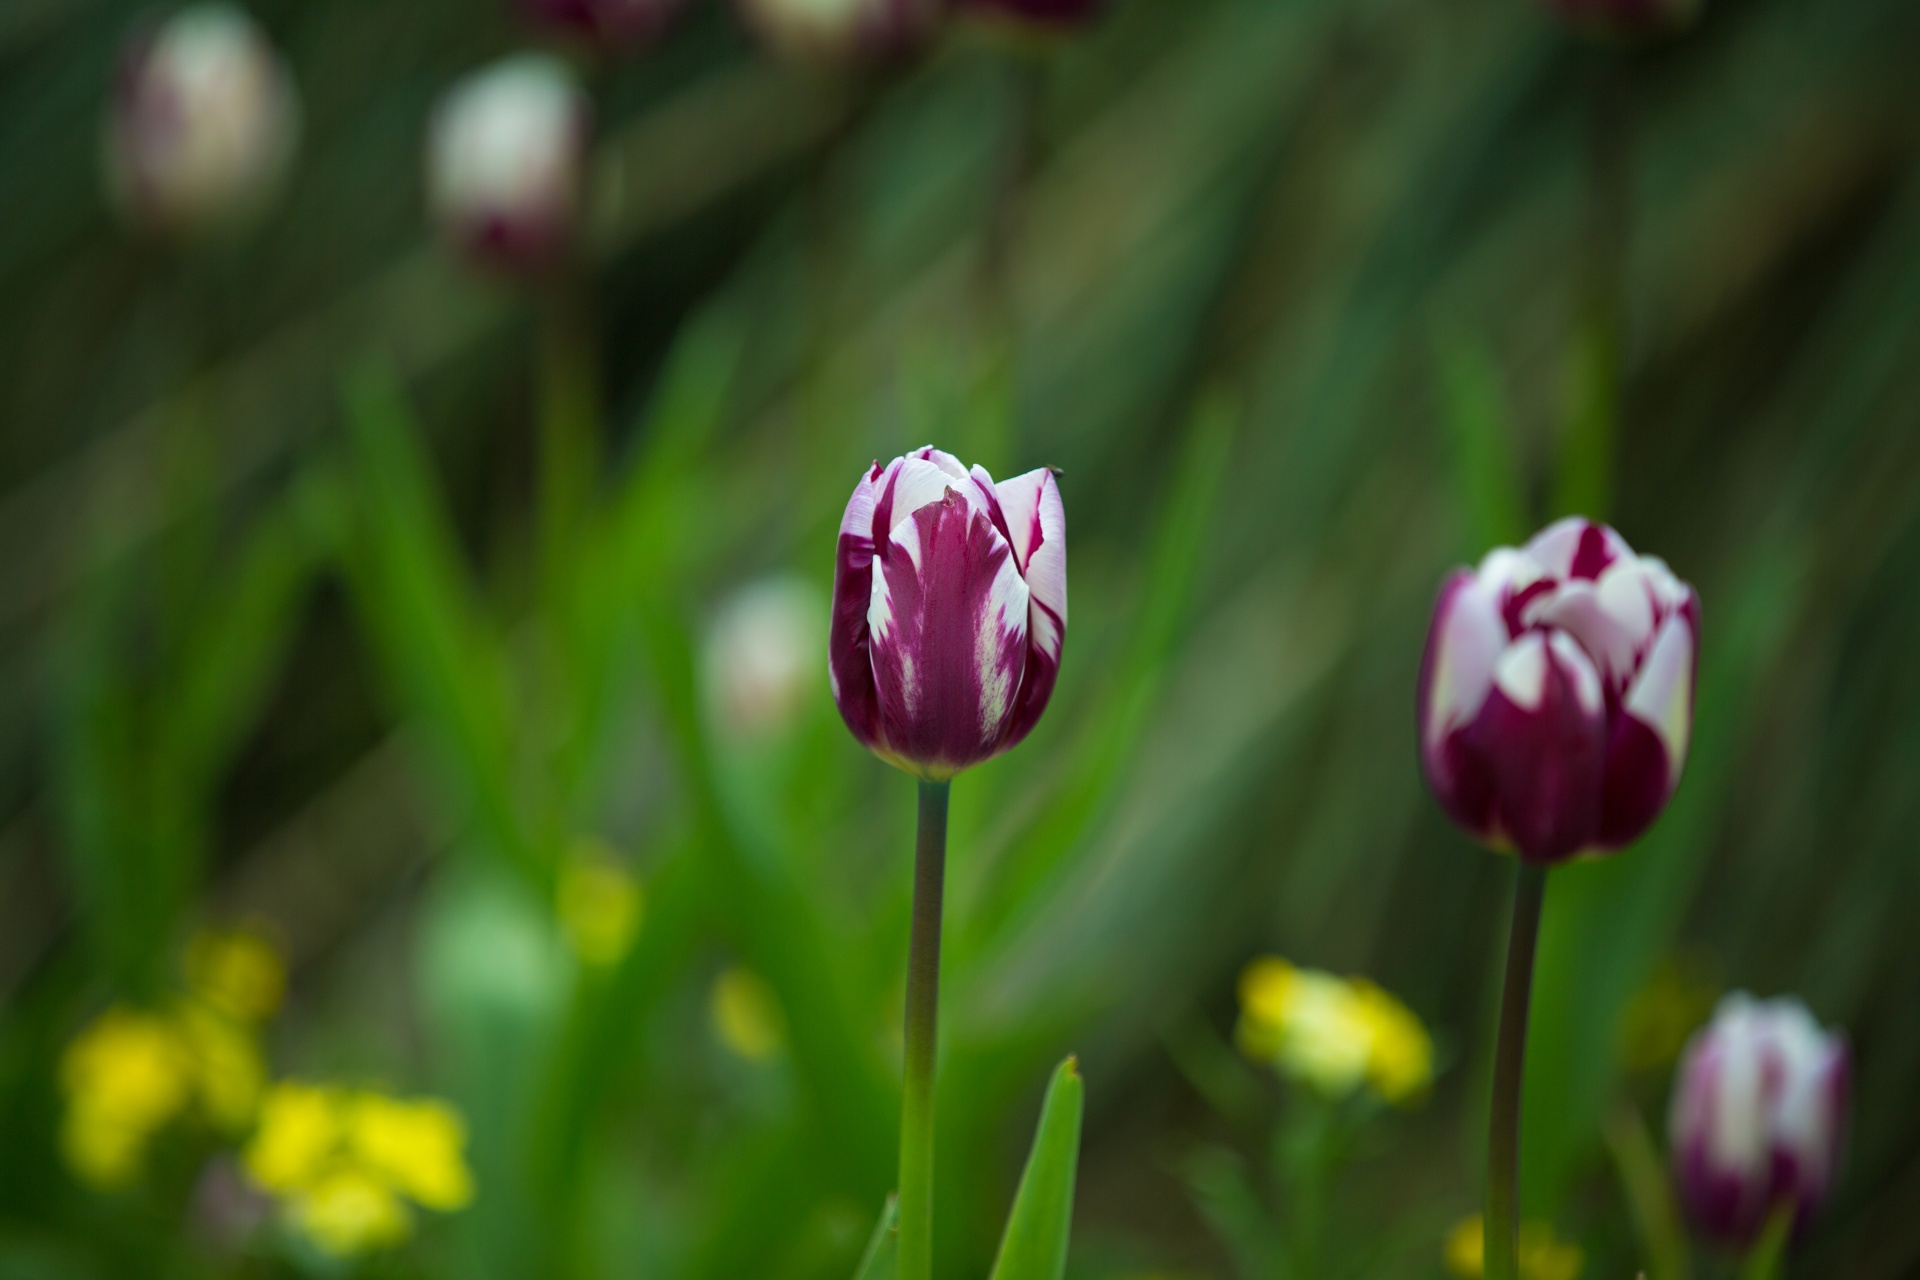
<point x="1509" y="1063"/>
<point x="923" y="998"/>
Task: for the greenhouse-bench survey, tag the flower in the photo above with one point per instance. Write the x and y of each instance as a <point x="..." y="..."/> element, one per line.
<point x="203" y="122"/>
<point x="1625" y="17"/>
<point x="505" y="162"/>
<point x="1542" y="1256"/>
<point x="1043" y="15"/>
<point x="763" y="657"/>
<point x="1757" y="1117"/>
<point x="843" y="31"/>
<point x="125" y="1077"/>
<point x="1556" y="693"/>
<point x="1332" y="1033"/>
<point x="599" y="903"/>
<point x="746" y="1014"/>
<point x="949" y="611"/>
<point x="608" y="24"/>
<point x="236" y="972"/>
<point x="346" y="1165"/>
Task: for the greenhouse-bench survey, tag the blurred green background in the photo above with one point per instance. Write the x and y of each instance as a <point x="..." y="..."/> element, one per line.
<point x="1306" y="298"/>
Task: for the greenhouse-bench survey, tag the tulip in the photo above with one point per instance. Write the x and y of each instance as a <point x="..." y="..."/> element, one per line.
<point x="1625" y="18"/>
<point x="505" y="160"/>
<point x="1757" y="1118"/>
<point x="203" y="122"/>
<point x="949" y="611"/>
<point x="1556" y="694"/>
<point x="843" y="31"/>
<point x="1043" y="15"/>
<point x="608" y="24"/>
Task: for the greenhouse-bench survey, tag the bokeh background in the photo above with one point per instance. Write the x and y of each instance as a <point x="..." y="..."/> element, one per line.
<point x="1309" y="300"/>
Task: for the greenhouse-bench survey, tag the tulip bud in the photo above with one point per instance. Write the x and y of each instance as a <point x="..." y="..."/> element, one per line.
<point x="1757" y="1118"/>
<point x="1625" y="18"/>
<point x="1556" y="693"/>
<point x="203" y="122"/>
<point x="949" y="610"/>
<point x="843" y="31"/>
<point x="505" y="161"/>
<point x="1041" y="15"/>
<point x="763" y="657"/>
<point x="608" y="24"/>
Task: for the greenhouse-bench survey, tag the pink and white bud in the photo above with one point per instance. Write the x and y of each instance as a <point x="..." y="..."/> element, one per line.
<point x="838" y="32"/>
<point x="1758" y="1117"/>
<point x="1556" y="693"/>
<point x="763" y="657"/>
<point x="1625" y="18"/>
<point x="949" y="610"/>
<point x="506" y="159"/>
<point x="203" y="123"/>
<point x="1054" y="16"/>
<point x="605" y="24"/>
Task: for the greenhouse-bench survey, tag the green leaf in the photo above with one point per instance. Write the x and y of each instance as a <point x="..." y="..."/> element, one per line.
<point x="1035" y="1245"/>
<point x="882" y="1258"/>
<point x="1767" y="1259"/>
<point x="1486" y="475"/>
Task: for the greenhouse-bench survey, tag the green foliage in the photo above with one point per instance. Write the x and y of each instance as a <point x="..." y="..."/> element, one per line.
<point x="1041" y="1224"/>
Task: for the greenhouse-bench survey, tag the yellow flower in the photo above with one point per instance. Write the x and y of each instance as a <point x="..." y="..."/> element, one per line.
<point x="415" y="1146"/>
<point x="1542" y="1256"/>
<point x="348" y="1212"/>
<point x="599" y="904"/>
<point x="1332" y="1033"/>
<point x="124" y="1077"/>
<point x="238" y="972"/>
<point x="296" y="1140"/>
<point x="229" y="1073"/>
<point x="746" y="1013"/>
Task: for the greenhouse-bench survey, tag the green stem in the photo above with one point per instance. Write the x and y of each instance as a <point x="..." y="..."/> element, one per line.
<point x="1509" y="1064"/>
<point x="923" y="999"/>
<point x="569" y="422"/>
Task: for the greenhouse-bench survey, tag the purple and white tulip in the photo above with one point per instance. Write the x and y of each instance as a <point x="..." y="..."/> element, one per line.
<point x="949" y="610"/>
<point x="203" y="122"/>
<point x="839" y="32"/>
<point x="1556" y="693"/>
<point x="505" y="162"/>
<point x="1758" y="1117"/>
<point x="1625" y="18"/>
<point x="605" y="24"/>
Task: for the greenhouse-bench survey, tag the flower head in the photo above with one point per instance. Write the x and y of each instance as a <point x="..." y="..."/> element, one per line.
<point x="506" y="157"/>
<point x="606" y="24"/>
<point x="1334" y="1034"/>
<point x="1556" y="694"/>
<point x="125" y="1077"/>
<point x="843" y="31"/>
<point x="747" y="1016"/>
<point x="236" y="972"/>
<point x="1757" y="1117"/>
<point x="203" y="122"/>
<point x="1543" y="1256"/>
<point x="599" y="903"/>
<point x="949" y="610"/>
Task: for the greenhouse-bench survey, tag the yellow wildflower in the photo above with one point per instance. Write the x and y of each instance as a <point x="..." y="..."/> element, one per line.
<point x="228" y="1071"/>
<point x="599" y="904"/>
<point x="125" y="1077"/>
<point x="237" y="972"/>
<point x="1542" y="1256"/>
<point x="1332" y="1033"/>
<point x="416" y="1146"/>
<point x="348" y="1212"/>
<point x="746" y="1013"/>
<point x="295" y="1141"/>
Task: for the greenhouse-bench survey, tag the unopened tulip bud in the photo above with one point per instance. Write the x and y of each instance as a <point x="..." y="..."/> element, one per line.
<point x="1757" y="1118"/>
<point x="763" y="657"/>
<point x="1037" y="15"/>
<point x="1556" y="694"/>
<point x="1625" y="18"/>
<point x="607" y="24"/>
<point x="203" y="123"/>
<point x="843" y="31"/>
<point x="949" y="610"/>
<point x="505" y="163"/>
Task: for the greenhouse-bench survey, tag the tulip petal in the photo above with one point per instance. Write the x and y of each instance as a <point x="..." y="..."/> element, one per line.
<point x="1577" y="548"/>
<point x="1457" y="670"/>
<point x="1540" y="735"/>
<point x="1662" y="694"/>
<point x="1036" y="520"/>
<point x="849" y="656"/>
<point x="948" y="621"/>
